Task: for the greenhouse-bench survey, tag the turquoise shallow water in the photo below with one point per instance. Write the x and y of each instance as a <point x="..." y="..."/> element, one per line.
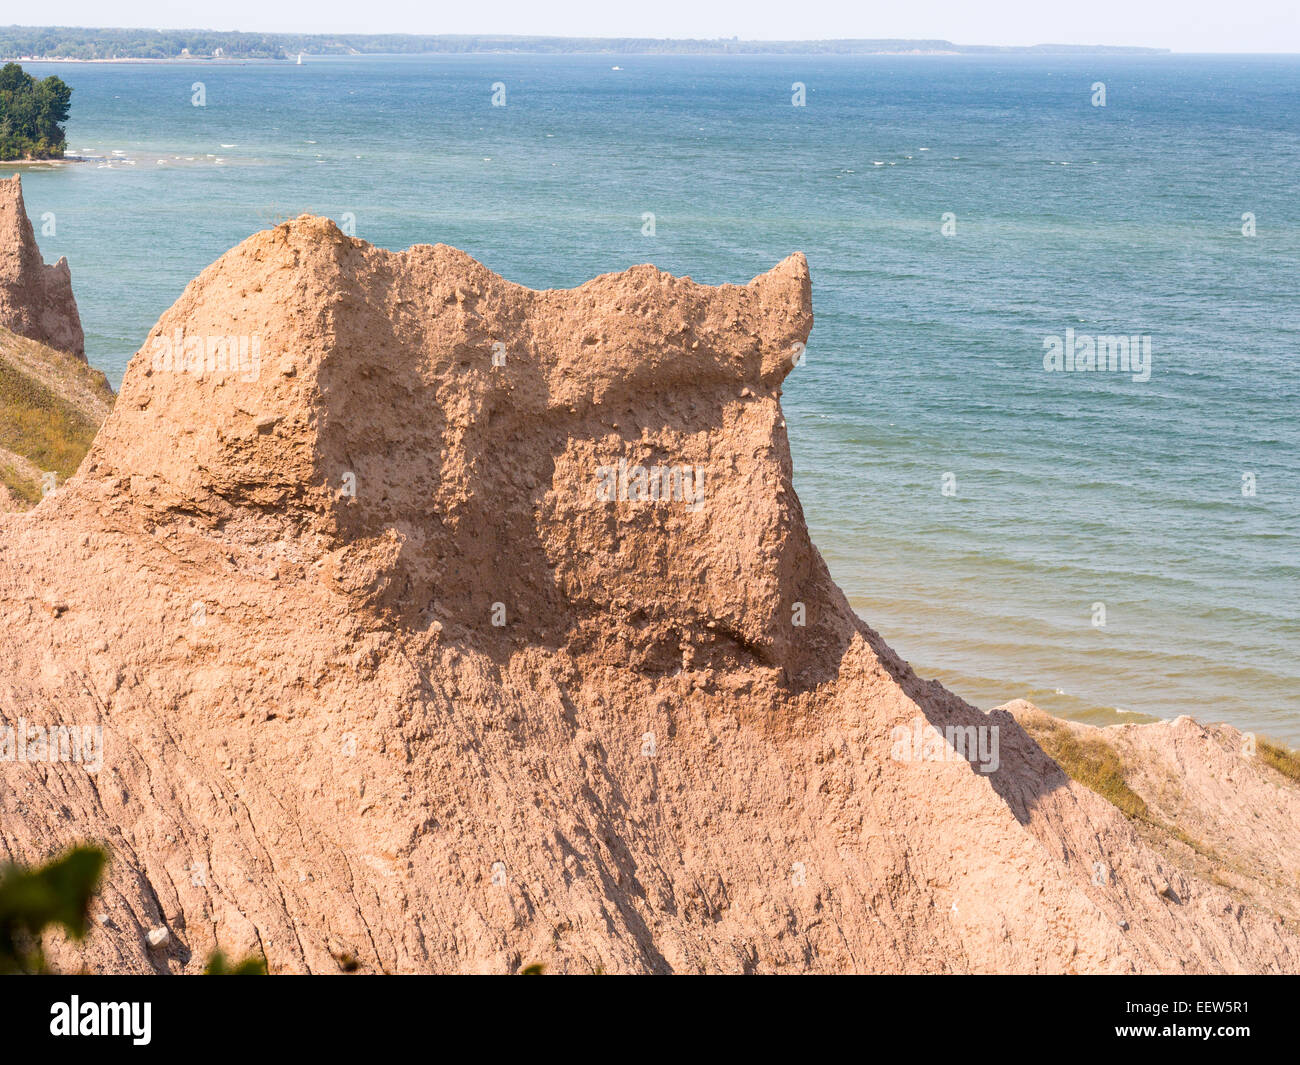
<point x="927" y="355"/>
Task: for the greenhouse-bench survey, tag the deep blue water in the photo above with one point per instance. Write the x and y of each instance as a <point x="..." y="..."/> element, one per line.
<point x="927" y="356"/>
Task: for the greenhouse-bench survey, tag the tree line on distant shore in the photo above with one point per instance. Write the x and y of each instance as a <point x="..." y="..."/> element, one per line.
<point x="54" y="42"/>
<point x="32" y="114"/>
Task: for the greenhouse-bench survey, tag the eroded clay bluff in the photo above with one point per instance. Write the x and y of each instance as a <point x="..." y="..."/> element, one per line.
<point x="274" y="586"/>
<point x="36" y="300"/>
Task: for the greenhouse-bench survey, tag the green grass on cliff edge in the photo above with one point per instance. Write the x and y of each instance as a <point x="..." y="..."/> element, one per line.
<point x="41" y="426"/>
<point x="1283" y="759"/>
<point x="37" y="422"/>
<point x="1091" y="762"/>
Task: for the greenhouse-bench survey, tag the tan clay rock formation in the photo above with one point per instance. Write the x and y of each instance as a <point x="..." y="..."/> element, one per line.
<point x="394" y="667"/>
<point x="36" y="300"/>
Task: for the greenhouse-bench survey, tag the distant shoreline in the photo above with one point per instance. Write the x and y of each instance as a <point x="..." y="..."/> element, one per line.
<point x="107" y="44"/>
<point x="172" y="60"/>
<point x="194" y="60"/>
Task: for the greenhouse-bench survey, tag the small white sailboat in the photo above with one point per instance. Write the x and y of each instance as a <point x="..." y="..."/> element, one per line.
<point x="300" y="59"/>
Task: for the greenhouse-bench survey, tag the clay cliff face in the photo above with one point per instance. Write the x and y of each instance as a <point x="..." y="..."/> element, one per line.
<point x="434" y="623"/>
<point x="36" y="300"/>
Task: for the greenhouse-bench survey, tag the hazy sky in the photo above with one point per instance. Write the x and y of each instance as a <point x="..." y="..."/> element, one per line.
<point x="1183" y="25"/>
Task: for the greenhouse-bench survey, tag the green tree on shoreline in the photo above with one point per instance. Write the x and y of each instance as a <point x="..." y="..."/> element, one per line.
<point x="32" y="114"/>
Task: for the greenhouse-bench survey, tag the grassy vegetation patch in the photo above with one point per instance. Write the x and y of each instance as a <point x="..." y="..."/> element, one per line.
<point x="40" y="426"/>
<point x="20" y="487"/>
<point x="1283" y="759"/>
<point x="1093" y="763"/>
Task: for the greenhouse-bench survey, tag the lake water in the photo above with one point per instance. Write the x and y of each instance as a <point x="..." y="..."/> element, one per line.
<point x="977" y="508"/>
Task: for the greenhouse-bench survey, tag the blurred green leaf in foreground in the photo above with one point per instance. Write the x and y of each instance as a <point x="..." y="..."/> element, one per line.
<point x="32" y="900"/>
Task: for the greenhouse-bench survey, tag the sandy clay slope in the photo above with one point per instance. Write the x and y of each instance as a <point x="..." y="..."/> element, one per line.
<point x="386" y="677"/>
